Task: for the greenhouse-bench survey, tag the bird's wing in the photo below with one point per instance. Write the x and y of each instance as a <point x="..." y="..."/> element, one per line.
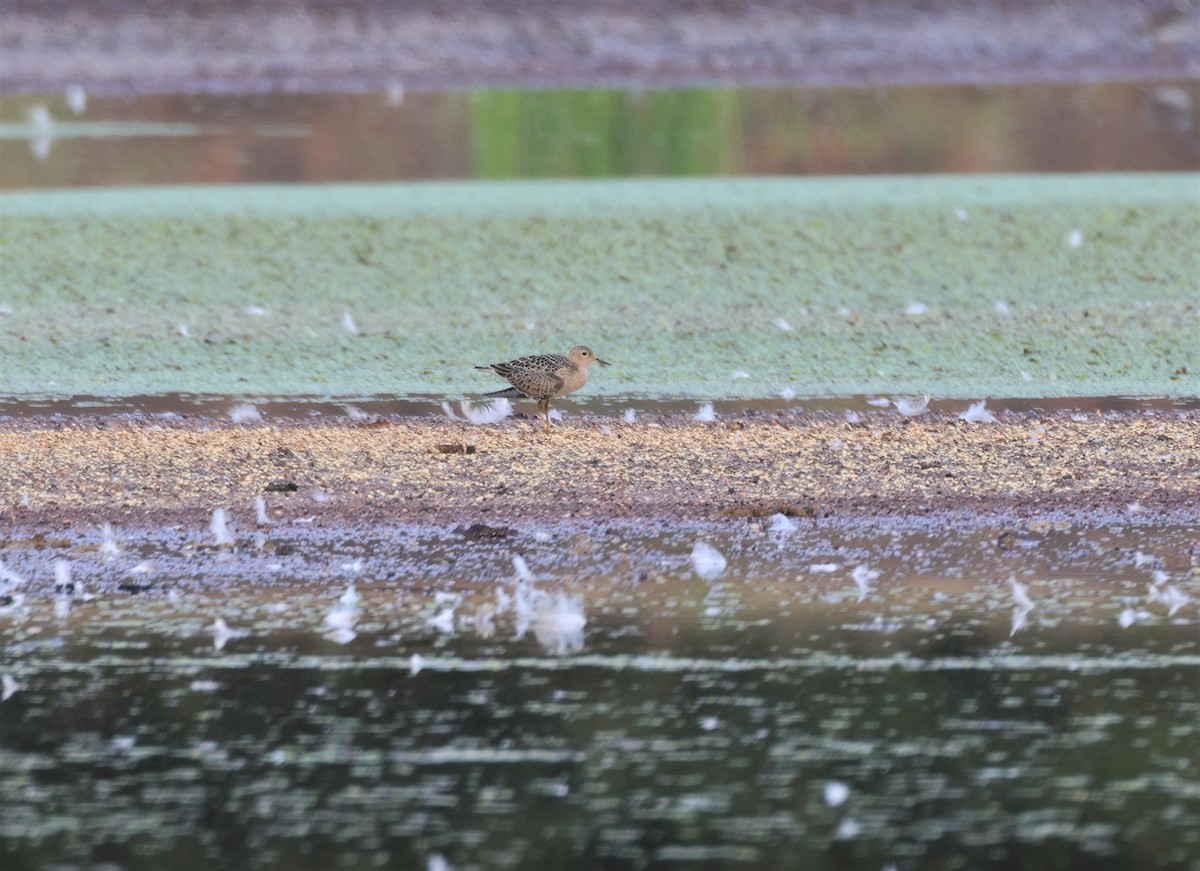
<point x="532" y="363"/>
<point x="534" y="376"/>
<point x="536" y="383"/>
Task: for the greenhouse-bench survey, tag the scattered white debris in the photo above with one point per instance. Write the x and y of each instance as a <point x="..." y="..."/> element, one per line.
<point x="443" y="621"/>
<point x="705" y="414"/>
<point x="558" y="621"/>
<point x="836" y="793"/>
<point x="342" y="616"/>
<point x="880" y="402"/>
<point x="482" y="622"/>
<point x="864" y="576"/>
<point x="15" y="602"/>
<point x="348" y="323"/>
<point x="961" y="213"/>
<point x="10" y="686"/>
<point x="1141" y="559"/>
<point x="787" y="393"/>
<point x="222" y="633"/>
<point x="395" y="94"/>
<point x="260" y="511"/>
<point x="9" y="578"/>
<point x="824" y="568"/>
<point x="1075" y="239"/>
<point x="1002" y="308"/>
<point x="145" y="567"/>
<point x="1020" y="594"/>
<point x="256" y="311"/>
<point x="911" y="407"/>
<point x="978" y="413"/>
<point x="437" y="862"/>
<point x="739" y="375"/>
<point x="783" y="325"/>
<point x="184" y="330"/>
<point x="917" y="308"/>
<point x="415" y="663"/>
<point x="1174" y="598"/>
<point x="710" y="724"/>
<point x="524" y="575"/>
<point x="1024" y="605"/>
<point x="630" y="415"/>
<point x="848" y="828"/>
<point x="853" y="417"/>
<point x="350" y="598"/>
<point x="1025" y="376"/>
<point x="76" y="98"/>
<point x="319" y="496"/>
<point x="43" y="132"/>
<point x="781" y="524"/>
<point x="62" y="606"/>
<point x="554" y="414"/>
<point x="204" y="686"/>
<point x="341" y="635"/>
<point x="1130" y="616"/>
<point x="354" y="566"/>
<point x="487" y="412"/>
<point x="355" y="413"/>
<point x="62" y="575"/>
<point x="707" y="561"/>
<point x="108" y="544"/>
<point x="245" y="413"/>
<point x="449" y="412"/>
<point x="220" y="528"/>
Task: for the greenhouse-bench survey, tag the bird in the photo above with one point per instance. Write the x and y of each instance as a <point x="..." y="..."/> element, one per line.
<point x="545" y="376"/>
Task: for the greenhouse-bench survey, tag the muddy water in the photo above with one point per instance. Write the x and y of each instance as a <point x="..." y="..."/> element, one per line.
<point x="418" y="405"/>
<point x="55" y="140"/>
<point x="655" y="711"/>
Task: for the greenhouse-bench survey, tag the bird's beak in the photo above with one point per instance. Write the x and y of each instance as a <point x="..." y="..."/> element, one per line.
<point x="603" y="362"/>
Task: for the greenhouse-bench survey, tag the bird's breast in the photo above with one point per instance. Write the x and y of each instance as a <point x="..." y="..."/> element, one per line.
<point x="573" y="378"/>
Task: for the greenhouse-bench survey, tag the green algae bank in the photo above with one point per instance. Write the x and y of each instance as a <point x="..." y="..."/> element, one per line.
<point x="726" y="288"/>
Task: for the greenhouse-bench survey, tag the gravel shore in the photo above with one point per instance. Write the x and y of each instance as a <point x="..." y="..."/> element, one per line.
<point x="1115" y="468"/>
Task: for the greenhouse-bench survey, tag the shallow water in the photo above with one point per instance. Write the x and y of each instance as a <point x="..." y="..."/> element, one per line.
<point x="190" y="139"/>
<point x="366" y="406"/>
<point x="779" y="714"/>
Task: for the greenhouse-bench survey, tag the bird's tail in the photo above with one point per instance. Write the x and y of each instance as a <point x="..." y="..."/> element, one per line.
<point x="484" y="368"/>
<point x="507" y="393"/>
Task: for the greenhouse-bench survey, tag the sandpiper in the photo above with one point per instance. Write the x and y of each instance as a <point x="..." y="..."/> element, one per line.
<point x="545" y="376"/>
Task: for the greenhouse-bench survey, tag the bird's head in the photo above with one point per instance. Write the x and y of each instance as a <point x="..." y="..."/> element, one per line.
<point x="582" y="355"/>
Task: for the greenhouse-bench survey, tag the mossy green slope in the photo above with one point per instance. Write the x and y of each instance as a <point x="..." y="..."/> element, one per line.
<point x="688" y="286"/>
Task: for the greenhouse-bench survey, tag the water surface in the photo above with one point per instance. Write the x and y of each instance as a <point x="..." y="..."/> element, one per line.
<point x="394" y="136"/>
<point x="778" y="714"/>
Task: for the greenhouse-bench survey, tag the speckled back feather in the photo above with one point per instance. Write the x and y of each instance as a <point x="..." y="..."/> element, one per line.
<point x="538" y="376"/>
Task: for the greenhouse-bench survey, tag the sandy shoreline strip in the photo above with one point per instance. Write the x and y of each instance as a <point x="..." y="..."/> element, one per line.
<point x="1132" y="468"/>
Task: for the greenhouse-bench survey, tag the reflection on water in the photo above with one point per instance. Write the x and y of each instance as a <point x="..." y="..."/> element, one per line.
<point x="598" y="704"/>
<point x="60" y="141"/>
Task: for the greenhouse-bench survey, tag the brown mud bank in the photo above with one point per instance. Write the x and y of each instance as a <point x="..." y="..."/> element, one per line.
<point x="68" y="475"/>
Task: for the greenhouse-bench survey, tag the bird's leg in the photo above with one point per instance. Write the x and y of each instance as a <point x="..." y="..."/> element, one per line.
<point x="544" y="413"/>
